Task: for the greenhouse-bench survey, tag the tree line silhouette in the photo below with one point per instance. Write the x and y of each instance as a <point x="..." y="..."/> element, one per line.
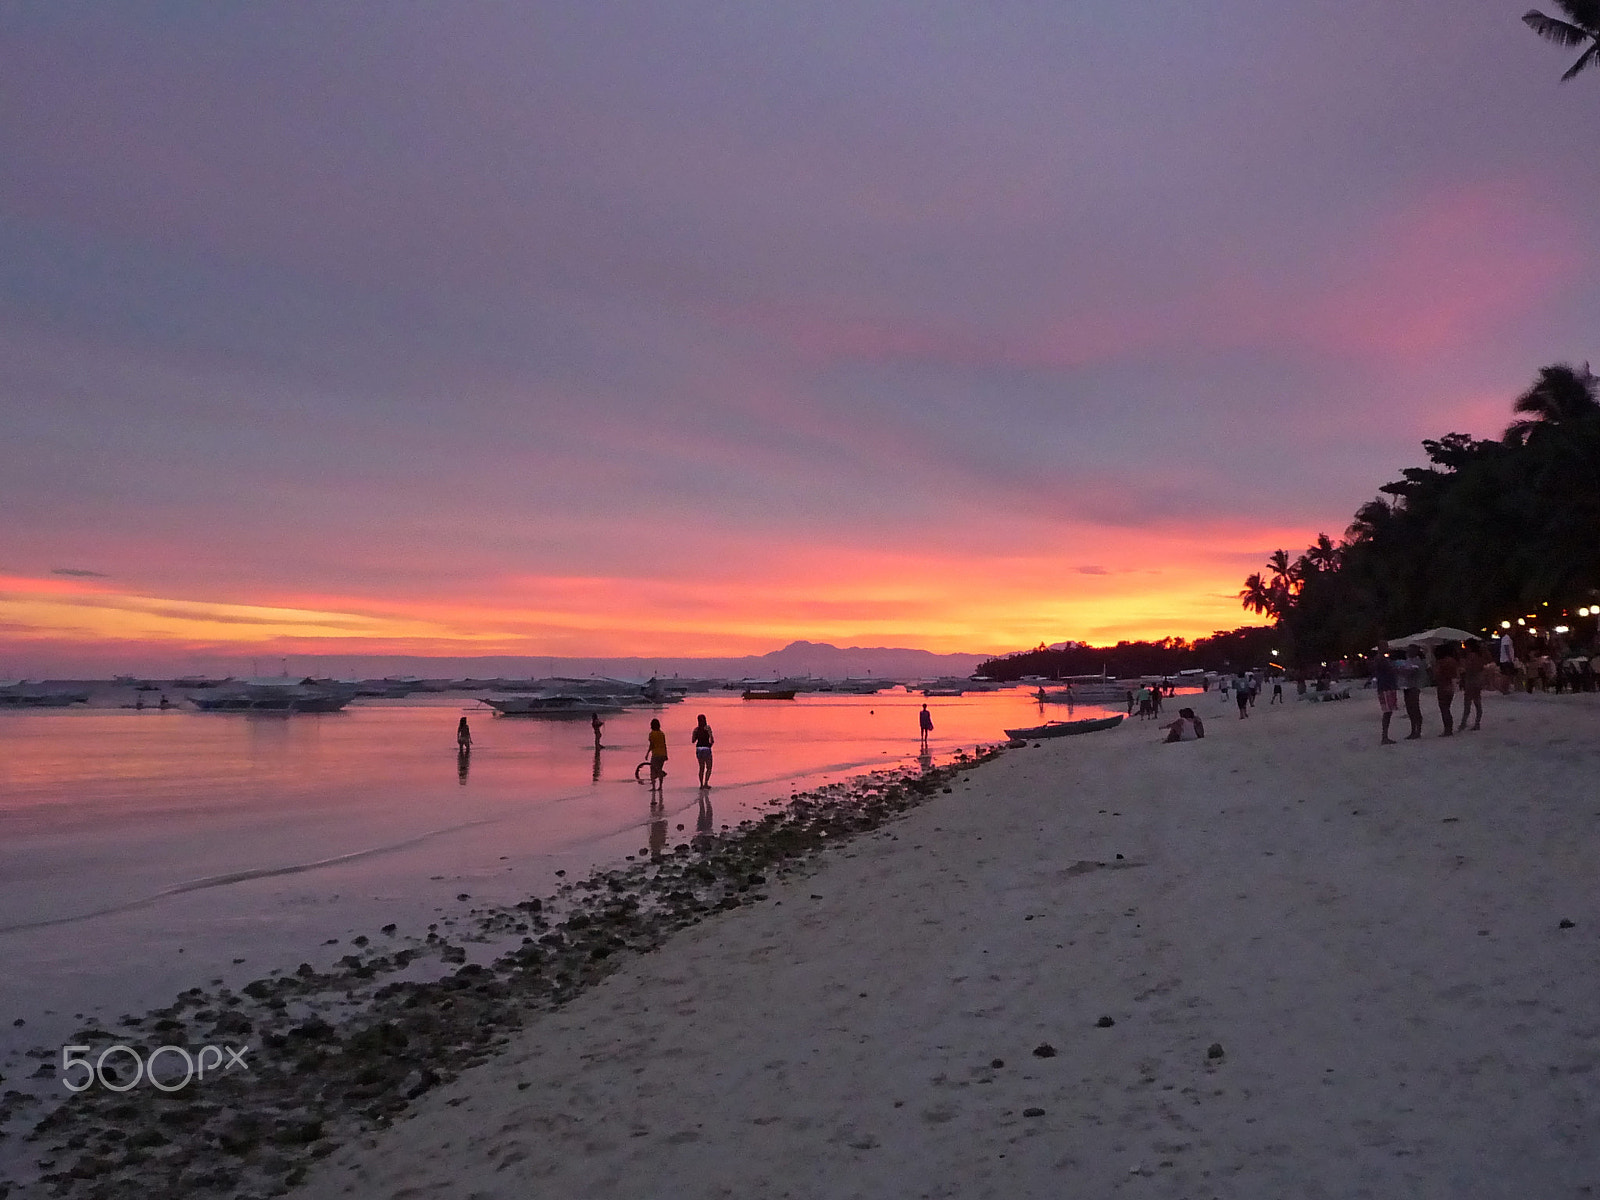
<point x="1490" y="530"/>
<point x="1225" y="650"/>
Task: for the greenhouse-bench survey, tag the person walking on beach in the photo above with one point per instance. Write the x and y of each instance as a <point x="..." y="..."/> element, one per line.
<point x="925" y="724"/>
<point x="658" y="755"/>
<point x="1412" y="676"/>
<point x="702" y="739"/>
<point x="1277" y="691"/>
<point x="463" y="737"/>
<point x="1508" y="662"/>
<point x="1445" y="672"/>
<point x="1387" y="680"/>
<point x="1474" y="669"/>
<point x="1241" y="693"/>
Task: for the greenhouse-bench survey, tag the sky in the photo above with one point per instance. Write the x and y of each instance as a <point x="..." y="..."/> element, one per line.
<point x="594" y="328"/>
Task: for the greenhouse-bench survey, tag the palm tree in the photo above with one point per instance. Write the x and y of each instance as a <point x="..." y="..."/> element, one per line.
<point x="1584" y="26"/>
<point x="1285" y="574"/>
<point x="1561" y="395"/>
<point x="1264" y="597"/>
<point x="1323" y="556"/>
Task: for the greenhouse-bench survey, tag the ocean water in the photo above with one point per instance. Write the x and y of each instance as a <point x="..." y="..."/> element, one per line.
<point x="143" y="852"/>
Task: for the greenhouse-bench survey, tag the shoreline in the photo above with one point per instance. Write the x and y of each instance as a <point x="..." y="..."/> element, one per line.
<point x="1280" y="961"/>
<point x="338" y="1052"/>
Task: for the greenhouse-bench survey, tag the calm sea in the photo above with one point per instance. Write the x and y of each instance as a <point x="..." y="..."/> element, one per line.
<point x="143" y="852"/>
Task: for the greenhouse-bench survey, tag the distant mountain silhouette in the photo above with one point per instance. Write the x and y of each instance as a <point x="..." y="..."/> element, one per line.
<point x="818" y="659"/>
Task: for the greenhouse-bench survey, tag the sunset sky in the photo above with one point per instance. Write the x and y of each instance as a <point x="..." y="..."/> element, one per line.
<point x="694" y="328"/>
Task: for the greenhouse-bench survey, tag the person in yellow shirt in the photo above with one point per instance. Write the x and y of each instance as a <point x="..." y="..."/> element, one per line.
<point x="658" y="755"/>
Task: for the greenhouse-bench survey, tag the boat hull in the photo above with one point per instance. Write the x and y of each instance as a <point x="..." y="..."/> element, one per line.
<point x="569" y="708"/>
<point x="1055" y="729"/>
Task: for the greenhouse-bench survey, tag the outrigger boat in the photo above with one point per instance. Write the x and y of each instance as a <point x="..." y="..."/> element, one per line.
<point x="770" y="693"/>
<point x="22" y="694"/>
<point x="277" y="695"/>
<point x="567" y="706"/>
<point x="1052" y="729"/>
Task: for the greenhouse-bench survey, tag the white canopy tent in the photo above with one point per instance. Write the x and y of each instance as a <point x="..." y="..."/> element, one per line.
<point x="1431" y="637"/>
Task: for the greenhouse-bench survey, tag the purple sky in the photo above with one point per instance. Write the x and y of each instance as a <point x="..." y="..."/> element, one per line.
<point x="604" y="329"/>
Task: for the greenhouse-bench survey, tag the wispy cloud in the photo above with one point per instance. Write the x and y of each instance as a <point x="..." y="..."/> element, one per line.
<point x="78" y="573"/>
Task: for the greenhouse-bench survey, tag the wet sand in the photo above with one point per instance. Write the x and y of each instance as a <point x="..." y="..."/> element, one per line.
<point x="1280" y="961"/>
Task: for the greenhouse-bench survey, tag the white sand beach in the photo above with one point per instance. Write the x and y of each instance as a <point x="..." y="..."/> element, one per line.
<point x="1371" y="935"/>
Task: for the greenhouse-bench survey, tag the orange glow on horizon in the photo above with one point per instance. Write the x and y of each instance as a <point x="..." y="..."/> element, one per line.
<point x="1165" y="586"/>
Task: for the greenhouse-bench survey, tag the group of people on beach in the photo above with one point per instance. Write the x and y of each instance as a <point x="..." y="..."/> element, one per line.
<point x="1245" y="687"/>
<point x="1400" y="677"/>
<point x="700" y="737"/>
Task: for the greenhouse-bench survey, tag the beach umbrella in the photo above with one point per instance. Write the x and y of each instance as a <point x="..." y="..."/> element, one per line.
<point x="1432" y="637"/>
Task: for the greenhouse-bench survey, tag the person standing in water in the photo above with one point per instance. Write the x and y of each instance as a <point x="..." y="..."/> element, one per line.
<point x="598" y="724"/>
<point x="702" y="739"/>
<point x="925" y="723"/>
<point x="463" y="737"/>
<point x="658" y="755"/>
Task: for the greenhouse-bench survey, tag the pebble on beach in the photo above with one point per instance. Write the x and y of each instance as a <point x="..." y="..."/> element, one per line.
<point x="1105" y="1023"/>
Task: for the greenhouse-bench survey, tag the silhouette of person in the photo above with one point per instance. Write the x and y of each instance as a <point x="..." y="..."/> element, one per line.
<point x="702" y="739"/>
<point x="463" y="765"/>
<point x="463" y="737"/>
<point x="598" y="724"/>
<point x="658" y="755"/>
<point x="925" y="724"/>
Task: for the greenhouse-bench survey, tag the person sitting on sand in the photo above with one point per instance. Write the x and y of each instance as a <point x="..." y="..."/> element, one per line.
<point x="658" y="755"/>
<point x="702" y="739"/>
<point x="463" y="737"/>
<point x="1186" y="728"/>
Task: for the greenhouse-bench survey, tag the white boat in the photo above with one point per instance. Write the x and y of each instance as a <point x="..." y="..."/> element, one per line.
<point x="561" y="705"/>
<point x="19" y="693"/>
<point x="277" y="694"/>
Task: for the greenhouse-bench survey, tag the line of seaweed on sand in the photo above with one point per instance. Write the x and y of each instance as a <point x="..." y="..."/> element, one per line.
<point x="339" y="1054"/>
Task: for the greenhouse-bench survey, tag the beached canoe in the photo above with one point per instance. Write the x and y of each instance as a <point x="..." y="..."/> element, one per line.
<point x="1052" y="729"/>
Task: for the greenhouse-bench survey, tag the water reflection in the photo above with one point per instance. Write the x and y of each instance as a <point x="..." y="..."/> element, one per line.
<point x="463" y="765"/>
<point x="702" y="821"/>
<point x="658" y="831"/>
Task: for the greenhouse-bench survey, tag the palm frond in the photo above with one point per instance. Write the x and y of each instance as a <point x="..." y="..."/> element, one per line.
<point x="1562" y="33"/>
<point x="1585" y="13"/>
<point x="1587" y="59"/>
